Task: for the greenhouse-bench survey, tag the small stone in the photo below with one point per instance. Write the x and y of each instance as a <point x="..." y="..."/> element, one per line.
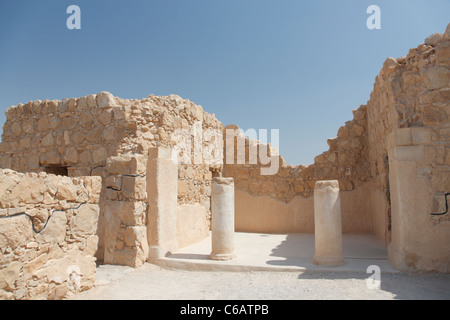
<point x="105" y="99"/>
<point x="434" y="39"/>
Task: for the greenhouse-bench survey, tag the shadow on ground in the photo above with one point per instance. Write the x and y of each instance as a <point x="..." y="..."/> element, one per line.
<point x="422" y="286"/>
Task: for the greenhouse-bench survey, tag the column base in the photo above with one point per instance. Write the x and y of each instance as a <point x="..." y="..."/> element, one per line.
<point x="222" y="256"/>
<point x="329" y="261"/>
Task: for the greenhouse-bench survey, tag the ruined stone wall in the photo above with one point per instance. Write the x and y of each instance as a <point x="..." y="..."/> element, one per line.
<point x="76" y="133"/>
<point x="103" y="135"/>
<point x="410" y="92"/>
<point x="81" y="133"/>
<point x="345" y="161"/>
<point x="163" y="121"/>
<point x="49" y="252"/>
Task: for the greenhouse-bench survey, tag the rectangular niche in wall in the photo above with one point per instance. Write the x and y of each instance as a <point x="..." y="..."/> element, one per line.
<point x="59" y="171"/>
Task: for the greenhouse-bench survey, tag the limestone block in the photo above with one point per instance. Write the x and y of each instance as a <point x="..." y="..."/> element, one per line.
<point x="26" y="191"/>
<point x="403" y="137"/>
<point x="54" y="122"/>
<point x="66" y="191"/>
<point x="437" y="77"/>
<point x="55" y="232"/>
<point x="61" y="272"/>
<point x="433" y="115"/>
<point x="119" y="113"/>
<point x="421" y="135"/>
<point x="15" y="232"/>
<point x="105" y="99"/>
<point x="133" y="213"/>
<point x="70" y="156"/>
<point x="105" y="117"/>
<point x="94" y="186"/>
<point x="86" y="119"/>
<point x="109" y="133"/>
<point x="183" y="187"/>
<point x="359" y="114"/>
<point x="447" y="32"/>
<point x="85" y="157"/>
<point x="28" y="126"/>
<point x="33" y="162"/>
<point x="389" y="66"/>
<point x="357" y="130"/>
<point x="434" y="39"/>
<point x="91" y="101"/>
<point x="138" y="164"/>
<point x="48" y="140"/>
<point x="52" y="106"/>
<point x="82" y="104"/>
<point x="9" y="275"/>
<point x="100" y="155"/>
<point x="69" y="123"/>
<point x="129" y="257"/>
<point x="409" y="153"/>
<point x="94" y="135"/>
<point x="43" y="124"/>
<point x="16" y="128"/>
<point x="135" y="235"/>
<point x="134" y="188"/>
<point x="443" y="52"/>
<point x="119" y="165"/>
<point x="50" y="158"/>
<point x="85" y="222"/>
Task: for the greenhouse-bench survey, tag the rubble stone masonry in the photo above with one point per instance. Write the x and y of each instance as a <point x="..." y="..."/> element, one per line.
<point x="48" y="234"/>
<point x="81" y="165"/>
<point x="103" y="135"/>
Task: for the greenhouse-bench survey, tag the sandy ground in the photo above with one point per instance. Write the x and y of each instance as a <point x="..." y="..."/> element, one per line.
<point x="154" y="283"/>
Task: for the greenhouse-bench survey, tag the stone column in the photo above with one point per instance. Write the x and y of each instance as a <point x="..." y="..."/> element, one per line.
<point x="222" y="199"/>
<point x="162" y="192"/>
<point x="328" y="224"/>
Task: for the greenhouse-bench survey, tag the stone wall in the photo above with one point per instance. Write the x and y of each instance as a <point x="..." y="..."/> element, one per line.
<point x="47" y="253"/>
<point x="75" y="133"/>
<point x="410" y="92"/>
<point x="419" y="156"/>
<point x="103" y="135"/>
<point x="345" y="161"/>
<point x="398" y="139"/>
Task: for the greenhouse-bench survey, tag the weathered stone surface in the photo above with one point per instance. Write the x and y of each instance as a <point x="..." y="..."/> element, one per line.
<point x="105" y="99"/>
<point x="85" y="222"/>
<point x="106" y="136"/>
<point x="99" y="155"/>
<point x="40" y="265"/>
<point x="434" y="39"/>
<point x="437" y="77"/>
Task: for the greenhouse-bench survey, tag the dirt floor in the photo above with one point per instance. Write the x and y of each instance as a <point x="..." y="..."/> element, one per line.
<point x="154" y="283"/>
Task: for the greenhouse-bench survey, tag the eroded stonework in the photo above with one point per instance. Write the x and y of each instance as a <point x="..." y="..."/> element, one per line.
<point x="88" y="159"/>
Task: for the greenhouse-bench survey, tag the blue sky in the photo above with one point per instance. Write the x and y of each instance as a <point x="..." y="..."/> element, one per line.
<point x="297" y="66"/>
